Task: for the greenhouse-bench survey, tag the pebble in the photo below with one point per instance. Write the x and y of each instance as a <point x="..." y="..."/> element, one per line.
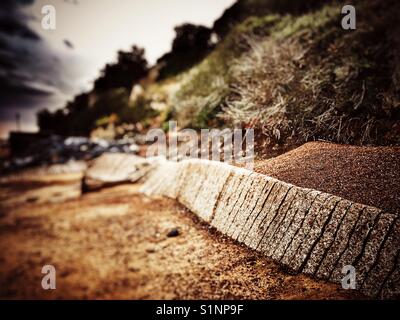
<point x="173" y="233"/>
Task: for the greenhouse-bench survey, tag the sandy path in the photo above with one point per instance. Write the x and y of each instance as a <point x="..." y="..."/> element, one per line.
<point x="113" y="244"/>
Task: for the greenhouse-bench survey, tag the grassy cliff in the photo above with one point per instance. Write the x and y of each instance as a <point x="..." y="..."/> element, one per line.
<point x="298" y="77"/>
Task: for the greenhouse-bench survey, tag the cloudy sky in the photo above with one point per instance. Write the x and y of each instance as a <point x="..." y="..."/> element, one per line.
<point x="44" y="68"/>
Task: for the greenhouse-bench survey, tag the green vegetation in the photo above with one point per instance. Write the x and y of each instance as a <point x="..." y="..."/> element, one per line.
<point x="258" y="25"/>
<point x="204" y="88"/>
<point x="137" y="111"/>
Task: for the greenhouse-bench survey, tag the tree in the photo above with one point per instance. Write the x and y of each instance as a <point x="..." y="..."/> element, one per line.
<point x="111" y="92"/>
<point x="191" y="44"/>
<point x="130" y="67"/>
<point x="53" y="122"/>
<point x="190" y="37"/>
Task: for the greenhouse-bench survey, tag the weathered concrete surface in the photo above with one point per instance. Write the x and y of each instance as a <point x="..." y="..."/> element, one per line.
<point x="306" y="230"/>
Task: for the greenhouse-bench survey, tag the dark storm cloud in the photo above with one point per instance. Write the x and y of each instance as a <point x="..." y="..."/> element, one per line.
<point x="16" y="42"/>
<point x="13" y="21"/>
<point x="22" y="69"/>
<point x="32" y="74"/>
<point x="35" y="74"/>
<point x="15" y="28"/>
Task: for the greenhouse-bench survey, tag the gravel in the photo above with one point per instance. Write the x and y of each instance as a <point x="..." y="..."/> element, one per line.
<point x="367" y="175"/>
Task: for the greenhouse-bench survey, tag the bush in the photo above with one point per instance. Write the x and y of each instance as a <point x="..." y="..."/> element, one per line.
<point x="136" y="112"/>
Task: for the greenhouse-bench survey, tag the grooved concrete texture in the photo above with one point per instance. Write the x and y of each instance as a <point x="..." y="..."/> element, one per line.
<point x="306" y="230"/>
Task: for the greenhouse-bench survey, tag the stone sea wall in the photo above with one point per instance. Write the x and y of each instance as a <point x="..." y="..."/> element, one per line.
<point x="306" y="230"/>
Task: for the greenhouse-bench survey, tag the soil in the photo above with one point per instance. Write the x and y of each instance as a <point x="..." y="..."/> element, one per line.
<point x="367" y="175"/>
<point x="116" y="244"/>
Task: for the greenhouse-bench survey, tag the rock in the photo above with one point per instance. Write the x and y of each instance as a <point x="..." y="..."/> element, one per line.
<point x="133" y="269"/>
<point x="30" y="150"/>
<point x="150" y="250"/>
<point x="173" y="233"/>
<point x="114" y="168"/>
<point x="32" y="199"/>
